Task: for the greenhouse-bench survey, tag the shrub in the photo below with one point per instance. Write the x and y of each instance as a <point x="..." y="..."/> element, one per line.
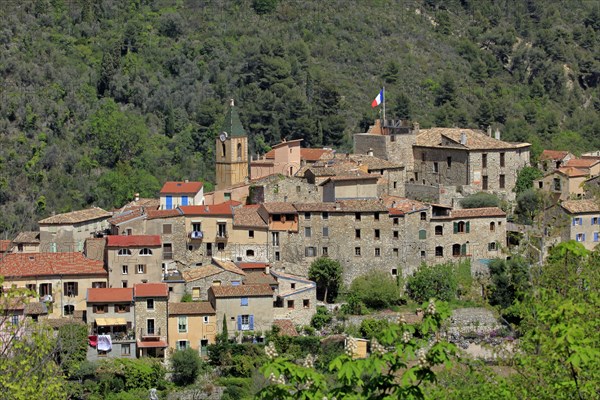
<point x="186" y="364"/>
<point x="372" y="328"/>
<point x="376" y="290"/>
<point x="437" y="281"/>
<point x="187" y="298"/>
<point x="321" y="318"/>
<point x="480" y="199"/>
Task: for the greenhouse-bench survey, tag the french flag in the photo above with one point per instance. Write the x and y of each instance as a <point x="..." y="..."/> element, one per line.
<point x="378" y="100"/>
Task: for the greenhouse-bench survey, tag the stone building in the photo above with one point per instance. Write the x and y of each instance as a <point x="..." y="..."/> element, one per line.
<point x="248" y="309"/>
<point x="285" y="160"/>
<point x="296" y="298"/>
<point x="357" y="186"/>
<point x="133" y="259"/>
<point x="584" y="222"/>
<point x="231" y="151"/>
<point x="564" y="183"/>
<point x="282" y="222"/>
<point x="151" y="313"/>
<point x="250" y="235"/>
<point x="192" y="325"/>
<point x="110" y="311"/>
<point x="199" y="279"/>
<point x="279" y="188"/>
<point x="175" y="194"/>
<point x="67" y="232"/>
<point x="551" y="160"/>
<point x="26" y="242"/>
<point x="591" y="165"/>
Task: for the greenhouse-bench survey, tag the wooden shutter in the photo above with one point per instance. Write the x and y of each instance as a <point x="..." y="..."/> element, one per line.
<point x="239" y="322"/>
<point x="76" y="289"/>
<point x="251" y="322"/>
<point x="456" y="227"/>
<point x="467" y="227"/>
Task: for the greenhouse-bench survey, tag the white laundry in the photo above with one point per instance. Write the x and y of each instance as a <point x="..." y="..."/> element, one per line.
<point x="104" y="343"/>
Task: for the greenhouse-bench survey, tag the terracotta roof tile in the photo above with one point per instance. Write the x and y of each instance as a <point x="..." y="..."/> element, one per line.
<point x="109" y="295"/>
<point x="151" y="290"/>
<point x="571" y="172"/>
<point x="5" y="245"/>
<point x="133" y="241"/>
<point x="27" y="237"/>
<point x="357" y="175"/>
<point x="157" y="214"/>
<point x="582" y="162"/>
<point x="402" y="205"/>
<point x="75" y="217"/>
<point x="192" y="308"/>
<point x="149" y="204"/>
<point x="204" y="271"/>
<point x="248" y="216"/>
<point x="553" y="155"/>
<point x="216" y="209"/>
<point x="46" y="264"/>
<point x="242" y="291"/>
<point x="286" y="327"/>
<point x="252" y="265"/>
<point x="476" y="139"/>
<point x="126" y="216"/>
<point x="482" y="212"/>
<point x="314" y="154"/>
<point x="181" y="187"/>
<point x="316" y="207"/>
<point x="35" y="308"/>
<point x="279" y="208"/>
<point x="283" y="275"/>
<point x="581" y="206"/>
<point x="228" y="266"/>
<point x="257" y="278"/>
<point x="374" y="163"/>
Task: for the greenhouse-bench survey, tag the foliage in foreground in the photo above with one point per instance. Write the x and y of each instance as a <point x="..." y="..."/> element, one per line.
<point x="375" y="290"/>
<point x="186" y="365"/>
<point x="437" y="281"/>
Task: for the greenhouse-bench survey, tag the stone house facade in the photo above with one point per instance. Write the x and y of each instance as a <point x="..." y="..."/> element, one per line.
<point x="110" y="311"/>
<point x="296" y="298"/>
<point x="199" y="280"/>
<point x="584" y="222"/>
<point x="192" y="325"/>
<point x="564" y="183"/>
<point x="68" y="232"/>
<point x="246" y="308"/>
<point x="279" y="188"/>
<point x="357" y="186"/>
<point x="26" y="242"/>
<point x="551" y="160"/>
<point x="250" y="235"/>
<point x="134" y="259"/>
<point x="151" y="314"/>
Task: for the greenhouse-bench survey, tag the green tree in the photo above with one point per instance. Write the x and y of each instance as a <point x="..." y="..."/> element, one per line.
<point x="72" y="344"/>
<point x="509" y="281"/>
<point x="376" y="290"/>
<point x="526" y="177"/>
<point x="186" y="364"/>
<point x="327" y="273"/>
<point x="433" y="281"/>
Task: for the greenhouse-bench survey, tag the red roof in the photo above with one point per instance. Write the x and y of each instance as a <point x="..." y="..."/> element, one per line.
<point x="133" y="241"/>
<point x="572" y="172"/>
<point x="242" y="290"/>
<point x="553" y="154"/>
<point x="109" y="295"/>
<point x="216" y="209"/>
<point x="581" y="162"/>
<point x="4" y="246"/>
<point x="45" y="264"/>
<point x="151" y="290"/>
<point x="155" y="214"/>
<point x="181" y="187"/>
<point x="151" y="343"/>
<point x="253" y="265"/>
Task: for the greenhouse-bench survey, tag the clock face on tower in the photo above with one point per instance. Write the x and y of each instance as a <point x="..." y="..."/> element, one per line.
<point x="223" y="136"/>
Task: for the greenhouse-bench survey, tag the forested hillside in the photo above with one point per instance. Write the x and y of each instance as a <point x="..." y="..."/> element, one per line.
<point x="100" y="99"/>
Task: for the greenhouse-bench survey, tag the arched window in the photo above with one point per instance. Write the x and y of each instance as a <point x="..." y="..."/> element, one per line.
<point x="239" y="151"/>
<point x="492" y="226"/>
<point x="461" y="227"/>
<point x="124" y="252"/>
<point x="223" y="150"/>
<point x="145" y="252"/>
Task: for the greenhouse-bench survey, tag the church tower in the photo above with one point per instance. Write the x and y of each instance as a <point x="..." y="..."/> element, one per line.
<point x="231" y="153"/>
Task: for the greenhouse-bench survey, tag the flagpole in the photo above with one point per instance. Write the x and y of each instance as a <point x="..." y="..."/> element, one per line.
<point x="383" y="100"/>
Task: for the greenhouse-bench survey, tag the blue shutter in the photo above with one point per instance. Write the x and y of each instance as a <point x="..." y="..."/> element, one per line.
<point x="239" y="322"/>
<point x="580" y="221"/>
<point x="574" y="221"/>
<point x="169" y="201"/>
<point x="251" y="321"/>
<point x="184" y="200"/>
<point x="583" y="240"/>
<point x="595" y="236"/>
<point x="244" y="301"/>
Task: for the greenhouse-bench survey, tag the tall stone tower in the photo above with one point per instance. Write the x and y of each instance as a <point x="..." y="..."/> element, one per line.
<point x="231" y="151"/>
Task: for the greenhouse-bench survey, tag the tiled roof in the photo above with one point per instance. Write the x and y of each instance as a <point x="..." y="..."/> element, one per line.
<point x="133" y="241"/>
<point x="181" y="187"/>
<point x="204" y="271"/>
<point x="4" y="245"/>
<point x="248" y="216"/>
<point x="476" y="139"/>
<point x="581" y="206"/>
<point x="332" y="168"/>
<point x="232" y="124"/>
<point x="252" y="265"/>
<point x="75" y="217"/>
<point x="157" y="214"/>
<point x="27" y="237"/>
<point x="56" y="323"/>
<point x="45" y="264"/>
<point x="126" y="216"/>
<point x="257" y="278"/>
<point x="402" y="205"/>
<point x="553" y="155"/>
<point x="192" y="308"/>
<point x="582" y="162"/>
<point x="151" y="290"/>
<point x="109" y="295"/>
<point x="373" y="163"/>
<point x="216" y="209"/>
<point x="362" y="206"/>
<point x="228" y="266"/>
<point x="35" y="308"/>
<point x="315" y="207"/>
<point x="149" y="203"/>
<point x="357" y="175"/>
<point x="476" y="213"/>
<point x="279" y="208"/>
<point x="242" y="291"/>
<point x="283" y="275"/>
<point x="571" y="172"/>
<point x="286" y="327"/>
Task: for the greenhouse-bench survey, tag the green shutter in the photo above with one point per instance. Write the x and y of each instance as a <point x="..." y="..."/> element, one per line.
<point x="463" y="249"/>
<point x="468" y="226"/>
<point x="456" y="227"/>
<point x="422" y="234"/>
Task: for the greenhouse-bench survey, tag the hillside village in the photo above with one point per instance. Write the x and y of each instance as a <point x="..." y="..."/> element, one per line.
<point x="242" y="252"/>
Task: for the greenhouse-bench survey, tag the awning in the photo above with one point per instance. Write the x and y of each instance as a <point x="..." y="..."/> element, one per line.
<point x="151" y="343"/>
<point x="110" y="321"/>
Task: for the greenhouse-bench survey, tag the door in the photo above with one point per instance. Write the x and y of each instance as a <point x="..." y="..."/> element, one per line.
<point x="169" y="201"/>
<point x="204" y="348"/>
<point x="150" y="326"/>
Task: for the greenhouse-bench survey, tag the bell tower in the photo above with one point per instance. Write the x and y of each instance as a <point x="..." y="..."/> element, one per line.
<point x="231" y="152"/>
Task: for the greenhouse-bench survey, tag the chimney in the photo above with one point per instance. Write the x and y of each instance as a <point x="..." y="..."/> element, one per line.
<point x="463" y="138"/>
<point x="370" y="152"/>
<point x="187" y="181"/>
<point x="267" y="269"/>
<point x="416" y="127"/>
<point x="497" y="134"/>
<point x="489" y="131"/>
<point x="136" y="197"/>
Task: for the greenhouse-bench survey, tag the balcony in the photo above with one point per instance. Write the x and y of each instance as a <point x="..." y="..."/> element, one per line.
<point x="150" y="334"/>
<point x="196" y="235"/>
<point x="118" y="336"/>
<point x="222" y="236"/>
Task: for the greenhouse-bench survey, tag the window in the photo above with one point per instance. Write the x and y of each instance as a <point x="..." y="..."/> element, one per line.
<point x="298" y="189"/>
<point x="396" y="235"/>
<point x="245" y="322"/>
<point x="307" y="216"/>
<point x="357" y="216"/>
<point x="239" y="151"/>
<point x="124" y="252"/>
<point x="462" y="227"/>
<point x="306" y="303"/>
<point x="357" y="251"/>
<point x="167" y="229"/>
<point x="292" y="285"/>
<point x="251" y="234"/>
<point x="307" y="232"/>
<point x="29" y="286"/>
<point x="277" y="256"/>
<point x="123" y="284"/>
<point x="45" y="289"/>
<point x="484" y="182"/>
<point x="492" y="226"/>
<point x="325" y="231"/>
<point x="69" y="309"/>
<point x="325" y="215"/>
<point x="124" y="269"/>
<point x="377" y="252"/>
<point x="290" y="304"/>
<point x="182" y="344"/>
<point x="439" y="230"/>
<point x="244" y="301"/>
<point x="167" y="251"/>
<point x="216" y="283"/>
<point x="577" y="221"/>
<point x="99" y="308"/>
<point x="357" y="233"/>
<point x="436" y="168"/>
<point x="580" y="237"/>
<point x="205" y="319"/>
<point x="502" y="160"/>
<point x="396" y="252"/>
<point x="125" y="349"/>
<point x="150" y="326"/>
<point x="377" y="234"/>
<point x="439" y="251"/>
<point x="396" y="221"/>
<point x="223" y="150"/>
<point x="182" y="324"/>
<point x="595" y="221"/>
<point x="275" y="238"/>
<point x="456" y="250"/>
<point x="70" y="288"/>
<point x="221" y="230"/>
<point x="150" y="304"/>
<point x="325" y="251"/>
<point x="249" y="253"/>
<point x="423" y="216"/>
<point x="395" y="185"/>
<point x="492" y="246"/>
<point x="423" y="254"/>
<point x="394" y="272"/>
<point x="422" y="234"/>
<point x="310" y="251"/>
<point x="484" y="160"/>
<point x="376" y="216"/>
<point x="196" y="226"/>
<point x="121" y="308"/>
<point x="449" y="162"/>
<point x="195" y="293"/>
<point x="145" y="252"/>
<point x="502" y="181"/>
<point x="422" y="156"/>
<point x="140" y="268"/>
<point x="227" y="196"/>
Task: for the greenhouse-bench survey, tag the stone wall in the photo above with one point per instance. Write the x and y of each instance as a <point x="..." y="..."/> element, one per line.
<point x="441" y="166"/>
<point x="284" y="189"/>
<point x="225" y="277"/>
<point x="159" y="314"/>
